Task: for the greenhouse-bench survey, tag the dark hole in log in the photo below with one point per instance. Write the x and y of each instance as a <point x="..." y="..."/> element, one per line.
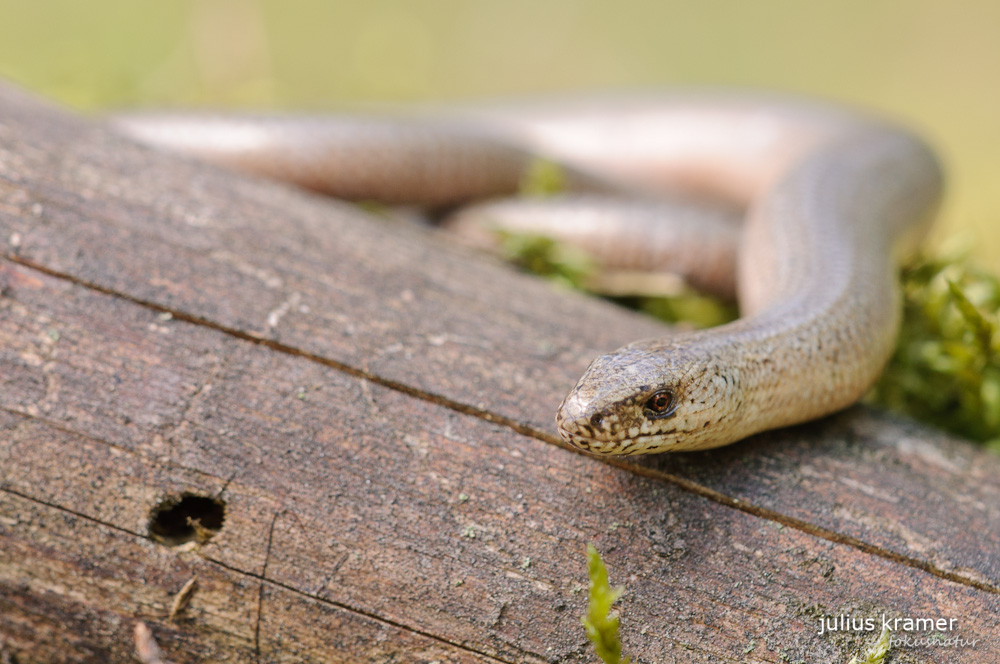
<point x="186" y="518"/>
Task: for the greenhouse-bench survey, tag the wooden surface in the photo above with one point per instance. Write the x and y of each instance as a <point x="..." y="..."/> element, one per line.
<point x="374" y="408"/>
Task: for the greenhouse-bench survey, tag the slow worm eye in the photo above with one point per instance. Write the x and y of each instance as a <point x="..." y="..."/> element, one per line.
<point x="660" y="404"/>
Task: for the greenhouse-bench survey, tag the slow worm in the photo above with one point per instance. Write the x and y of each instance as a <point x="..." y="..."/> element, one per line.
<point x="831" y="198"/>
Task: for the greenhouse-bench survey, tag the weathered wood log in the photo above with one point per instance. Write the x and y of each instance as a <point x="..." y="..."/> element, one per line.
<point x="372" y="407"/>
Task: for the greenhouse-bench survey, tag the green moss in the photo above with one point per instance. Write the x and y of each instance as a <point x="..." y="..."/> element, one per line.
<point x="544" y="256"/>
<point x="946" y="368"/>
<point x="600" y="622"/>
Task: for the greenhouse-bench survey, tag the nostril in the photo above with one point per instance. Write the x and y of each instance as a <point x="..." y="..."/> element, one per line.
<point x="597" y="419"/>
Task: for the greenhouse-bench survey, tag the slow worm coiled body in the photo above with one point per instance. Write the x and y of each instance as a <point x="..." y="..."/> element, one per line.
<point x="830" y="199"/>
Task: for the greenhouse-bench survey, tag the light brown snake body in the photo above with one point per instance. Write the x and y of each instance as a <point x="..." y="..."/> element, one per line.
<point x="830" y="198"/>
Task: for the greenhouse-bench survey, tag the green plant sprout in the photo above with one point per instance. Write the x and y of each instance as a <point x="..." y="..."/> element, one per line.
<point x="602" y="624"/>
<point x="877" y="652"/>
<point x="600" y="621"/>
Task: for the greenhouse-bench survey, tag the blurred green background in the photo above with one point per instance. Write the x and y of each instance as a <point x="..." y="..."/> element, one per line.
<point x="933" y="64"/>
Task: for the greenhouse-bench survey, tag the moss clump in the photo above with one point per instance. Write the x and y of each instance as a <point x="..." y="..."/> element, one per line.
<point x="600" y="621"/>
<point x="548" y="258"/>
<point x="946" y="367"/>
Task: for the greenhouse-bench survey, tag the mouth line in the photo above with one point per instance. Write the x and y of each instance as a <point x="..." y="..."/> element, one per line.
<point x="570" y="437"/>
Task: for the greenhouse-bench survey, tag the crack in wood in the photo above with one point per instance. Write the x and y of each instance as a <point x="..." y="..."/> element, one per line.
<point x="260" y="588"/>
<point x="526" y="430"/>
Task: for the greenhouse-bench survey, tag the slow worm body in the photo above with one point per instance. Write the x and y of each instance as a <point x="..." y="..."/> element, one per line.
<point x="830" y="198"/>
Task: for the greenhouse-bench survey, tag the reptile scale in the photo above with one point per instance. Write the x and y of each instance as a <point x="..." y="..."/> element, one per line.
<point x="831" y="198"/>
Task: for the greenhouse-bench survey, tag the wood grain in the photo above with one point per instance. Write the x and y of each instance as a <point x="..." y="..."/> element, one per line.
<point x="332" y="377"/>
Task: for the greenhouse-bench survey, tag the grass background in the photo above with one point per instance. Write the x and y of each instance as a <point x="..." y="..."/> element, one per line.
<point x="932" y="64"/>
